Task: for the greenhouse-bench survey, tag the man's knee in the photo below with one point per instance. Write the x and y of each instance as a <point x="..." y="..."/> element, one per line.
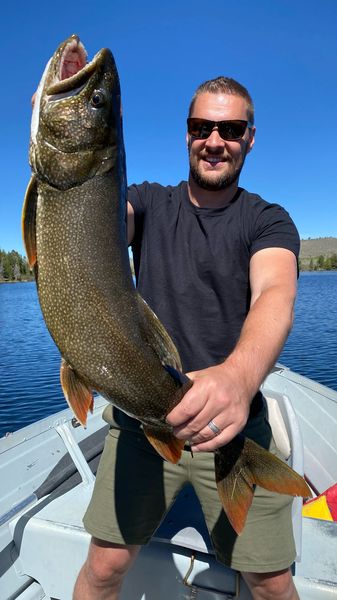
<point x="107" y="564"/>
<point x="276" y="586"/>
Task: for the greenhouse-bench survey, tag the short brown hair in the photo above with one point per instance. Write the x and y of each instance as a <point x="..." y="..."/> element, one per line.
<point x="227" y="86"/>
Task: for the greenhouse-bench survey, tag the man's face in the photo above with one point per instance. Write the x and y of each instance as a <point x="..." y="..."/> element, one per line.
<point x="216" y="163"/>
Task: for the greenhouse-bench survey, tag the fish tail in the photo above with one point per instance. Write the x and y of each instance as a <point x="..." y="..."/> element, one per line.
<point x="165" y="443"/>
<point x="240" y="466"/>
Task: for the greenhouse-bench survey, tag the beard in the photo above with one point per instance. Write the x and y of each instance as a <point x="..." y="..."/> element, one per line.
<point x="214" y="185"/>
<point x="223" y="181"/>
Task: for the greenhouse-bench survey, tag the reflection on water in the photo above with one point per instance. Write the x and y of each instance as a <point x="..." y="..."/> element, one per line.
<point x="29" y="360"/>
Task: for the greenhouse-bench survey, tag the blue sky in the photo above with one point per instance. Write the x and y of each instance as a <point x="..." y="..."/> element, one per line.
<point x="283" y="51"/>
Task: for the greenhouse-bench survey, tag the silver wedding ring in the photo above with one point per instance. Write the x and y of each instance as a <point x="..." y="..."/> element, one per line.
<point x="213" y="427"/>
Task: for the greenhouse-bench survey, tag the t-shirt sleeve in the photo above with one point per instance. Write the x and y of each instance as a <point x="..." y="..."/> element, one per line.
<point x="274" y="228"/>
<point x="139" y="197"/>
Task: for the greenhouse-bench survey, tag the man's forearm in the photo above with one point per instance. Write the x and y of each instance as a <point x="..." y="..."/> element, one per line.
<point x="262" y="338"/>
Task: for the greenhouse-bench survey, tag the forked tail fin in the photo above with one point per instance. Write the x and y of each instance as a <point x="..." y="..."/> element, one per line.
<point x="242" y="464"/>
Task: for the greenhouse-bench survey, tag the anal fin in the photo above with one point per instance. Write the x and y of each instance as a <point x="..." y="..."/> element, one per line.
<point x="78" y="395"/>
<point x="165" y="443"/>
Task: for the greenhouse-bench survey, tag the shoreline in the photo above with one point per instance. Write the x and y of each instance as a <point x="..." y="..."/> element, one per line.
<point x="20" y="281"/>
<point x="300" y="271"/>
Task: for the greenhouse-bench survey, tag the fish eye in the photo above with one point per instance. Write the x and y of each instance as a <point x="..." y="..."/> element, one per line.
<point x="98" y="98"/>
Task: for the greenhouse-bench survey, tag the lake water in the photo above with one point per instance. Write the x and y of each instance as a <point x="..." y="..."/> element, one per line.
<point x="29" y="360"/>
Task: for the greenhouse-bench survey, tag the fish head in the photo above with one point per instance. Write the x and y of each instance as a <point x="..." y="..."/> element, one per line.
<point x="76" y="130"/>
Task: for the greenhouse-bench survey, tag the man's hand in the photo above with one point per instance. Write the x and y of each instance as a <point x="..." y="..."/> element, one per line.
<point x="216" y="395"/>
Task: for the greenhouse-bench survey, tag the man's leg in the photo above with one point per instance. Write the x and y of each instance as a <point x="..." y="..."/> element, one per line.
<point x="266" y="548"/>
<point x="271" y="586"/>
<point x="133" y="489"/>
<point x="102" y="574"/>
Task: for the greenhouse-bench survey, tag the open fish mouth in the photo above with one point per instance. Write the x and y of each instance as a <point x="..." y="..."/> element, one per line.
<point x="73" y="59"/>
<point x="66" y="74"/>
<point x="72" y="69"/>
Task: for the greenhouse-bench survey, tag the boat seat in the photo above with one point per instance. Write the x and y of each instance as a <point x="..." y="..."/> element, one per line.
<point x="279" y="429"/>
<point x="288" y="439"/>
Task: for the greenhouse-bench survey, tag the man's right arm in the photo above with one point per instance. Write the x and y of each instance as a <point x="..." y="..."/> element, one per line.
<point x="131" y="223"/>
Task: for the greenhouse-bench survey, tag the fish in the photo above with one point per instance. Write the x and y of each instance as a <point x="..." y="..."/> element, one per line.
<point x="74" y="231"/>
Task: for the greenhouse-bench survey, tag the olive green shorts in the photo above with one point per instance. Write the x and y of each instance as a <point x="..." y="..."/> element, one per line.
<point x="134" y="489"/>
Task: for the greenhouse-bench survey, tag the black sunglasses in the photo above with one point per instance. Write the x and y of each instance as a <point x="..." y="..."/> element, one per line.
<point x="228" y="130"/>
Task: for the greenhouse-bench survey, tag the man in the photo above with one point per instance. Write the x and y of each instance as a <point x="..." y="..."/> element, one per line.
<point x="218" y="265"/>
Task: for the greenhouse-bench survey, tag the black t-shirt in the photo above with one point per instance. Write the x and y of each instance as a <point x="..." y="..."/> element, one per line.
<point x="192" y="264"/>
<point x="192" y="267"/>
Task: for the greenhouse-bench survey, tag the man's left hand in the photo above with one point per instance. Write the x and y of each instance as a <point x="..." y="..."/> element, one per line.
<point x="216" y="396"/>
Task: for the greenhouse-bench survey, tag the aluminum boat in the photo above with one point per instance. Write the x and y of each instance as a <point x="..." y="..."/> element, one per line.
<point x="47" y="473"/>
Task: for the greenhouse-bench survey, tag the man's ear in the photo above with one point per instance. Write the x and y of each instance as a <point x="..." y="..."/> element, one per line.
<point x="251" y="140"/>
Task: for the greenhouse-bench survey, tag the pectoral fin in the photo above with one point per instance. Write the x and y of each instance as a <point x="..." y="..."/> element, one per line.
<point x="167" y="446"/>
<point x="242" y="464"/>
<point x="29" y="221"/>
<point x="157" y="337"/>
<point x="78" y="395"/>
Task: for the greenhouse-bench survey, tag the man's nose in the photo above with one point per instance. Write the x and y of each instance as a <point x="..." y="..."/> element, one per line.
<point x="215" y="140"/>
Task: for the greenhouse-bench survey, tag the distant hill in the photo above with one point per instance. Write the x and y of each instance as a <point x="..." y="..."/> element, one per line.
<point x="313" y="248"/>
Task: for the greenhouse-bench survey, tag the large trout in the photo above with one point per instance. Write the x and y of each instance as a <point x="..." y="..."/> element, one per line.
<point x="75" y="237"/>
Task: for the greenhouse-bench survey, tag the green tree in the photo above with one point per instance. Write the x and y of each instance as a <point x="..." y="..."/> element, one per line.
<point x="13" y="266"/>
<point x="327" y="264"/>
<point x="7" y="267"/>
<point x="320" y="261"/>
<point x="333" y="259"/>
